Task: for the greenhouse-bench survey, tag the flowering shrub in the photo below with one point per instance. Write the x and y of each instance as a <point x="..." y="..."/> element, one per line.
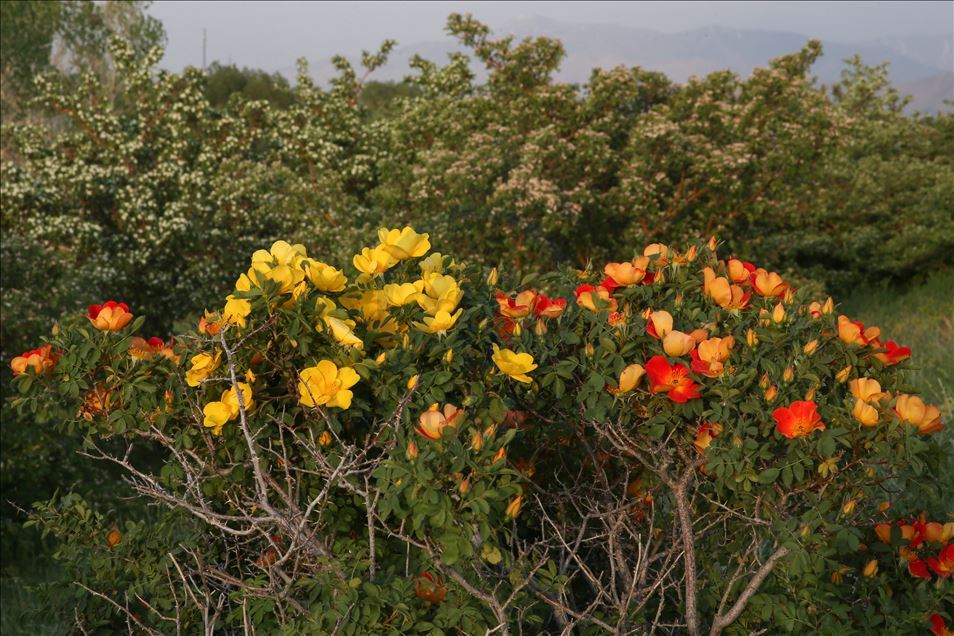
<point x="406" y="444"/>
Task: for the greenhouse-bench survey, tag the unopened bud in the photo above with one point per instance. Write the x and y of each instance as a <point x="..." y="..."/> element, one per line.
<point x="778" y="314"/>
<point x="114" y="537"/>
<point x="788" y="374"/>
<point x="411" y="453"/>
<point x="751" y="338"/>
<point x="842" y="375"/>
<point x="540" y="328"/>
<point x="492" y="277"/>
<point x="771" y="394"/>
<point x="412" y="382"/>
<point x="477" y="441"/>
<point x="810" y="348"/>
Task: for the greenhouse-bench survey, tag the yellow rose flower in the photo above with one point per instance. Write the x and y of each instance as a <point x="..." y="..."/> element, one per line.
<point x="372" y="303"/>
<point x="325" y="277"/>
<point x="218" y="414"/>
<point x="341" y="332"/>
<point x="404" y="244"/>
<point x="230" y="398"/>
<point x="281" y="253"/>
<point x="516" y="365"/>
<point x="441" y="293"/>
<point x="374" y="261"/>
<point x="327" y="385"/>
<point x="203" y="366"/>
<point x="402" y="294"/>
<point x="433" y="264"/>
<point x="440" y="323"/>
<point x="236" y="310"/>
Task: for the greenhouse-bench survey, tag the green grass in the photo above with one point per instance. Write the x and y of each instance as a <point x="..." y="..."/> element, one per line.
<point x="22" y="609"/>
<point x="922" y="318"/>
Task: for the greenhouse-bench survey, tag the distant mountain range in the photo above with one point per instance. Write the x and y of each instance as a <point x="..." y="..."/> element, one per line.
<point x="922" y="66"/>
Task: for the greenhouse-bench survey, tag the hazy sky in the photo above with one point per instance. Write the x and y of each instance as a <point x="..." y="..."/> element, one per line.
<point x="271" y="35"/>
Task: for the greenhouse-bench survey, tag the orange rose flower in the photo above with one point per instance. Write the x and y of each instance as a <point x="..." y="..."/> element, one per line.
<point x="939" y="627"/>
<point x="912" y="410"/>
<point x="658" y="324"/>
<point x="709" y="357"/>
<point x="919" y="569"/>
<point x="768" y="283"/>
<point x="798" y="419"/>
<point x="543" y="307"/>
<point x="739" y="271"/>
<point x="671" y="379"/>
<point x="629" y="273"/>
<point x="588" y="296"/>
<point x="142" y="349"/>
<point x="943" y="564"/>
<point x="429" y="588"/>
<point x="724" y="294"/>
<point x="704" y="436"/>
<point x="111" y="316"/>
<point x="892" y="354"/>
<point x="852" y="332"/>
<point x="433" y="422"/>
<point x="518" y="308"/>
<point x="40" y="361"/>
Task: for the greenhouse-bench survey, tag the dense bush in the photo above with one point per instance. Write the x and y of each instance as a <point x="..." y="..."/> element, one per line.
<point x="152" y="187"/>
<point x="673" y="442"/>
<point x="155" y="172"/>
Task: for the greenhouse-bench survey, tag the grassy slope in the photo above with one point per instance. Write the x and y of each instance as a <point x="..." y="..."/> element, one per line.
<point x="921" y="318"/>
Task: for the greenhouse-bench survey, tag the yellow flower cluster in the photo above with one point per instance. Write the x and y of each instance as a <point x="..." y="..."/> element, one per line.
<point x="217" y="414"/>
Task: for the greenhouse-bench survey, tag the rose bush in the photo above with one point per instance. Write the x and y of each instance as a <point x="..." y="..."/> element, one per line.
<point x="406" y="444"/>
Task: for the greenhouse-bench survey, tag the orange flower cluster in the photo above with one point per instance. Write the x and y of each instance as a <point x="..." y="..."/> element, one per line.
<point x="529" y="302"/>
<point x="855" y="333"/>
<point x="142" y="349"/>
<point x="40" y="361"/>
<point x="928" y="547"/>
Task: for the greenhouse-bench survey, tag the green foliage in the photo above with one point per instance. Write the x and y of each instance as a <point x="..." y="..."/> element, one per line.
<point x="26" y="37"/>
<point x="375" y="459"/>
<point x="383" y="99"/>
<point x="222" y="81"/>
<point x="70" y="36"/>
